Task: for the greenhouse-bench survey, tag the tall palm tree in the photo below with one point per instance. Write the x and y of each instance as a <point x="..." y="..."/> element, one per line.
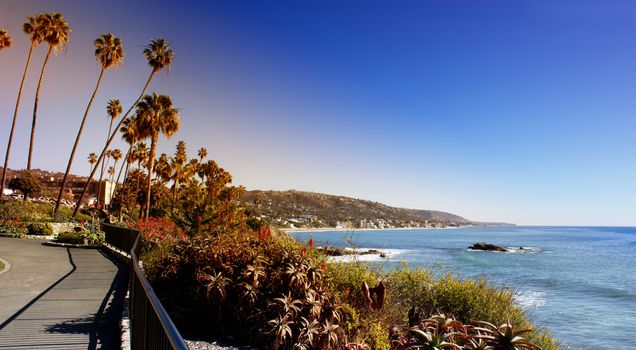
<point x="116" y="154"/>
<point x="56" y="34"/>
<point x="140" y="153"/>
<point x="129" y="135"/>
<point x="156" y="115"/>
<point x="109" y="52"/>
<point x="177" y="167"/>
<point x="113" y="109"/>
<point x="101" y="175"/>
<point x="162" y="169"/>
<point x="34" y="28"/>
<point x="159" y="56"/>
<point x="92" y="159"/>
<point x="5" y="40"/>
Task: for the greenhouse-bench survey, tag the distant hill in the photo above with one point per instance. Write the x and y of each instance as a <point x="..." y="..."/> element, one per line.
<point x="44" y="175"/>
<point x="308" y="209"/>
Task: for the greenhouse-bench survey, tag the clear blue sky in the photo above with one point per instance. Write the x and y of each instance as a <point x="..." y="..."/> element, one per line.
<point x="516" y="111"/>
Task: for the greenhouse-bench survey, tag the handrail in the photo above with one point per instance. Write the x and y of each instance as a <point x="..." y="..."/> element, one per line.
<point x="167" y="337"/>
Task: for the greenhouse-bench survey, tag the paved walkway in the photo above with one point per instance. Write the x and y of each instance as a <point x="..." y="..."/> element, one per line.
<point x="60" y="298"/>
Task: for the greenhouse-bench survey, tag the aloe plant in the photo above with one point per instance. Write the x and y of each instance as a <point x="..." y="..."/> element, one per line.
<point x="504" y="337"/>
<point x="445" y="332"/>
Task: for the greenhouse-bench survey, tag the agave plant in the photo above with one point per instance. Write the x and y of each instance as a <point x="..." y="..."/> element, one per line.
<point x="288" y="305"/>
<point x="504" y="337"/>
<point x="297" y="275"/>
<point x="477" y="344"/>
<point x="329" y="333"/>
<point x="435" y="333"/>
<point x="216" y="285"/>
<point x="310" y="331"/>
<point x="314" y="304"/>
<point x="280" y="330"/>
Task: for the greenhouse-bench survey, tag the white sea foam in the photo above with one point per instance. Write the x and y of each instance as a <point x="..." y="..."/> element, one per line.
<point x="389" y="254"/>
<point x="530" y="299"/>
<point x="523" y="250"/>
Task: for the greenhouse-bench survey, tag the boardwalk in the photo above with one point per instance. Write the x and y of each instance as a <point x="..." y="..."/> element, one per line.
<point x="60" y="298"/>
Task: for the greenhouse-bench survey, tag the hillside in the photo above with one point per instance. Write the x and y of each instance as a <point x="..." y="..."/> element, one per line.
<point x="309" y="209"/>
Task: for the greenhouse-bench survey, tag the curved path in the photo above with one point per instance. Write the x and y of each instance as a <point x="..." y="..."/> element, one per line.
<point x="60" y="298"/>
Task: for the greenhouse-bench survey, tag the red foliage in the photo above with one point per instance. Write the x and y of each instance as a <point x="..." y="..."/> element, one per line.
<point x="157" y="230"/>
<point x="264" y="234"/>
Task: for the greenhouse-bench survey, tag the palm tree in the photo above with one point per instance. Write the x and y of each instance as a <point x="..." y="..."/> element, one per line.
<point x="156" y="115"/>
<point x="109" y="52"/>
<point x="162" y="169"/>
<point x="5" y="40"/>
<point x="34" y="28"/>
<point x="159" y="56"/>
<point x="116" y="154"/>
<point x="56" y="34"/>
<point x="129" y="134"/>
<point x="177" y="167"/>
<point x="101" y="175"/>
<point x="113" y="109"/>
<point x="202" y="153"/>
<point x="141" y="156"/>
<point x="92" y="159"/>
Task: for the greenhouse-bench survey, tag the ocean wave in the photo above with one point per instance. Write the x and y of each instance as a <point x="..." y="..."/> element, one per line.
<point x="389" y="254"/>
<point x="523" y="250"/>
<point x="530" y="299"/>
<point x="511" y="250"/>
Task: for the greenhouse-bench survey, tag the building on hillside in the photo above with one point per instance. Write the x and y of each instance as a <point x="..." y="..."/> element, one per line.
<point x="76" y="186"/>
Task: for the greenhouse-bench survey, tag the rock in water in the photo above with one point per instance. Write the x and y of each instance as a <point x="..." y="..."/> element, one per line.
<point x="488" y="247"/>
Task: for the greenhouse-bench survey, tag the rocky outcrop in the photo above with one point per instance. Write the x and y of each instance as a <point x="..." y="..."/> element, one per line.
<point x="487" y="247"/>
<point x="332" y="251"/>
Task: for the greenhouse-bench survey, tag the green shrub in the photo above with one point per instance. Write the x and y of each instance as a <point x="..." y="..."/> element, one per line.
<point x="70" y="237"/>
<point x="39" y="212"/>
<point x="95" y="237"/>
<point x="40" y="229"/>
<point x="432" y="293"/>
<point x="25" y="211"/>
<point x="12" y="228"/>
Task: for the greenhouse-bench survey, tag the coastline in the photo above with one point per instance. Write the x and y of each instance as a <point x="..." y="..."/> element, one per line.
<point x="336" y="229"/>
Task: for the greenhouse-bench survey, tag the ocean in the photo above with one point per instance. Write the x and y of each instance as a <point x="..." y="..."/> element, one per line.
<point x="579" y="282"/>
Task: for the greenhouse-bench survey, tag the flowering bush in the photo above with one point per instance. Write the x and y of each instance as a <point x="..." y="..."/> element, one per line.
<point x="158" y="230"/>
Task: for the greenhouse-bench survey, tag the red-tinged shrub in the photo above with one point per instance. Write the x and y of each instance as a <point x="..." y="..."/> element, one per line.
<point x="158" y="230"/>
<point x="265" y="292"/>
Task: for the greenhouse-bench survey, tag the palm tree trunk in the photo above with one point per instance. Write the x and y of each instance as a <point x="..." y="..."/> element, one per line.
<point x="77" y="139"/>
<point x="15" y="116"/>
<point x="122" y="168"/>
<point x="101" y="177"/>
<point x="112" y="177"/>
<point x="35" y="107"/>
<point x="101" y="156"/>
<point x="151" y="160"/>
<point x="101" y="173"/>
<point x="124" y="164"/>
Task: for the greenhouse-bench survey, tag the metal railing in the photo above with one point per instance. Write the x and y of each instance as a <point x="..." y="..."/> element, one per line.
<point x="150" y="325"/>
